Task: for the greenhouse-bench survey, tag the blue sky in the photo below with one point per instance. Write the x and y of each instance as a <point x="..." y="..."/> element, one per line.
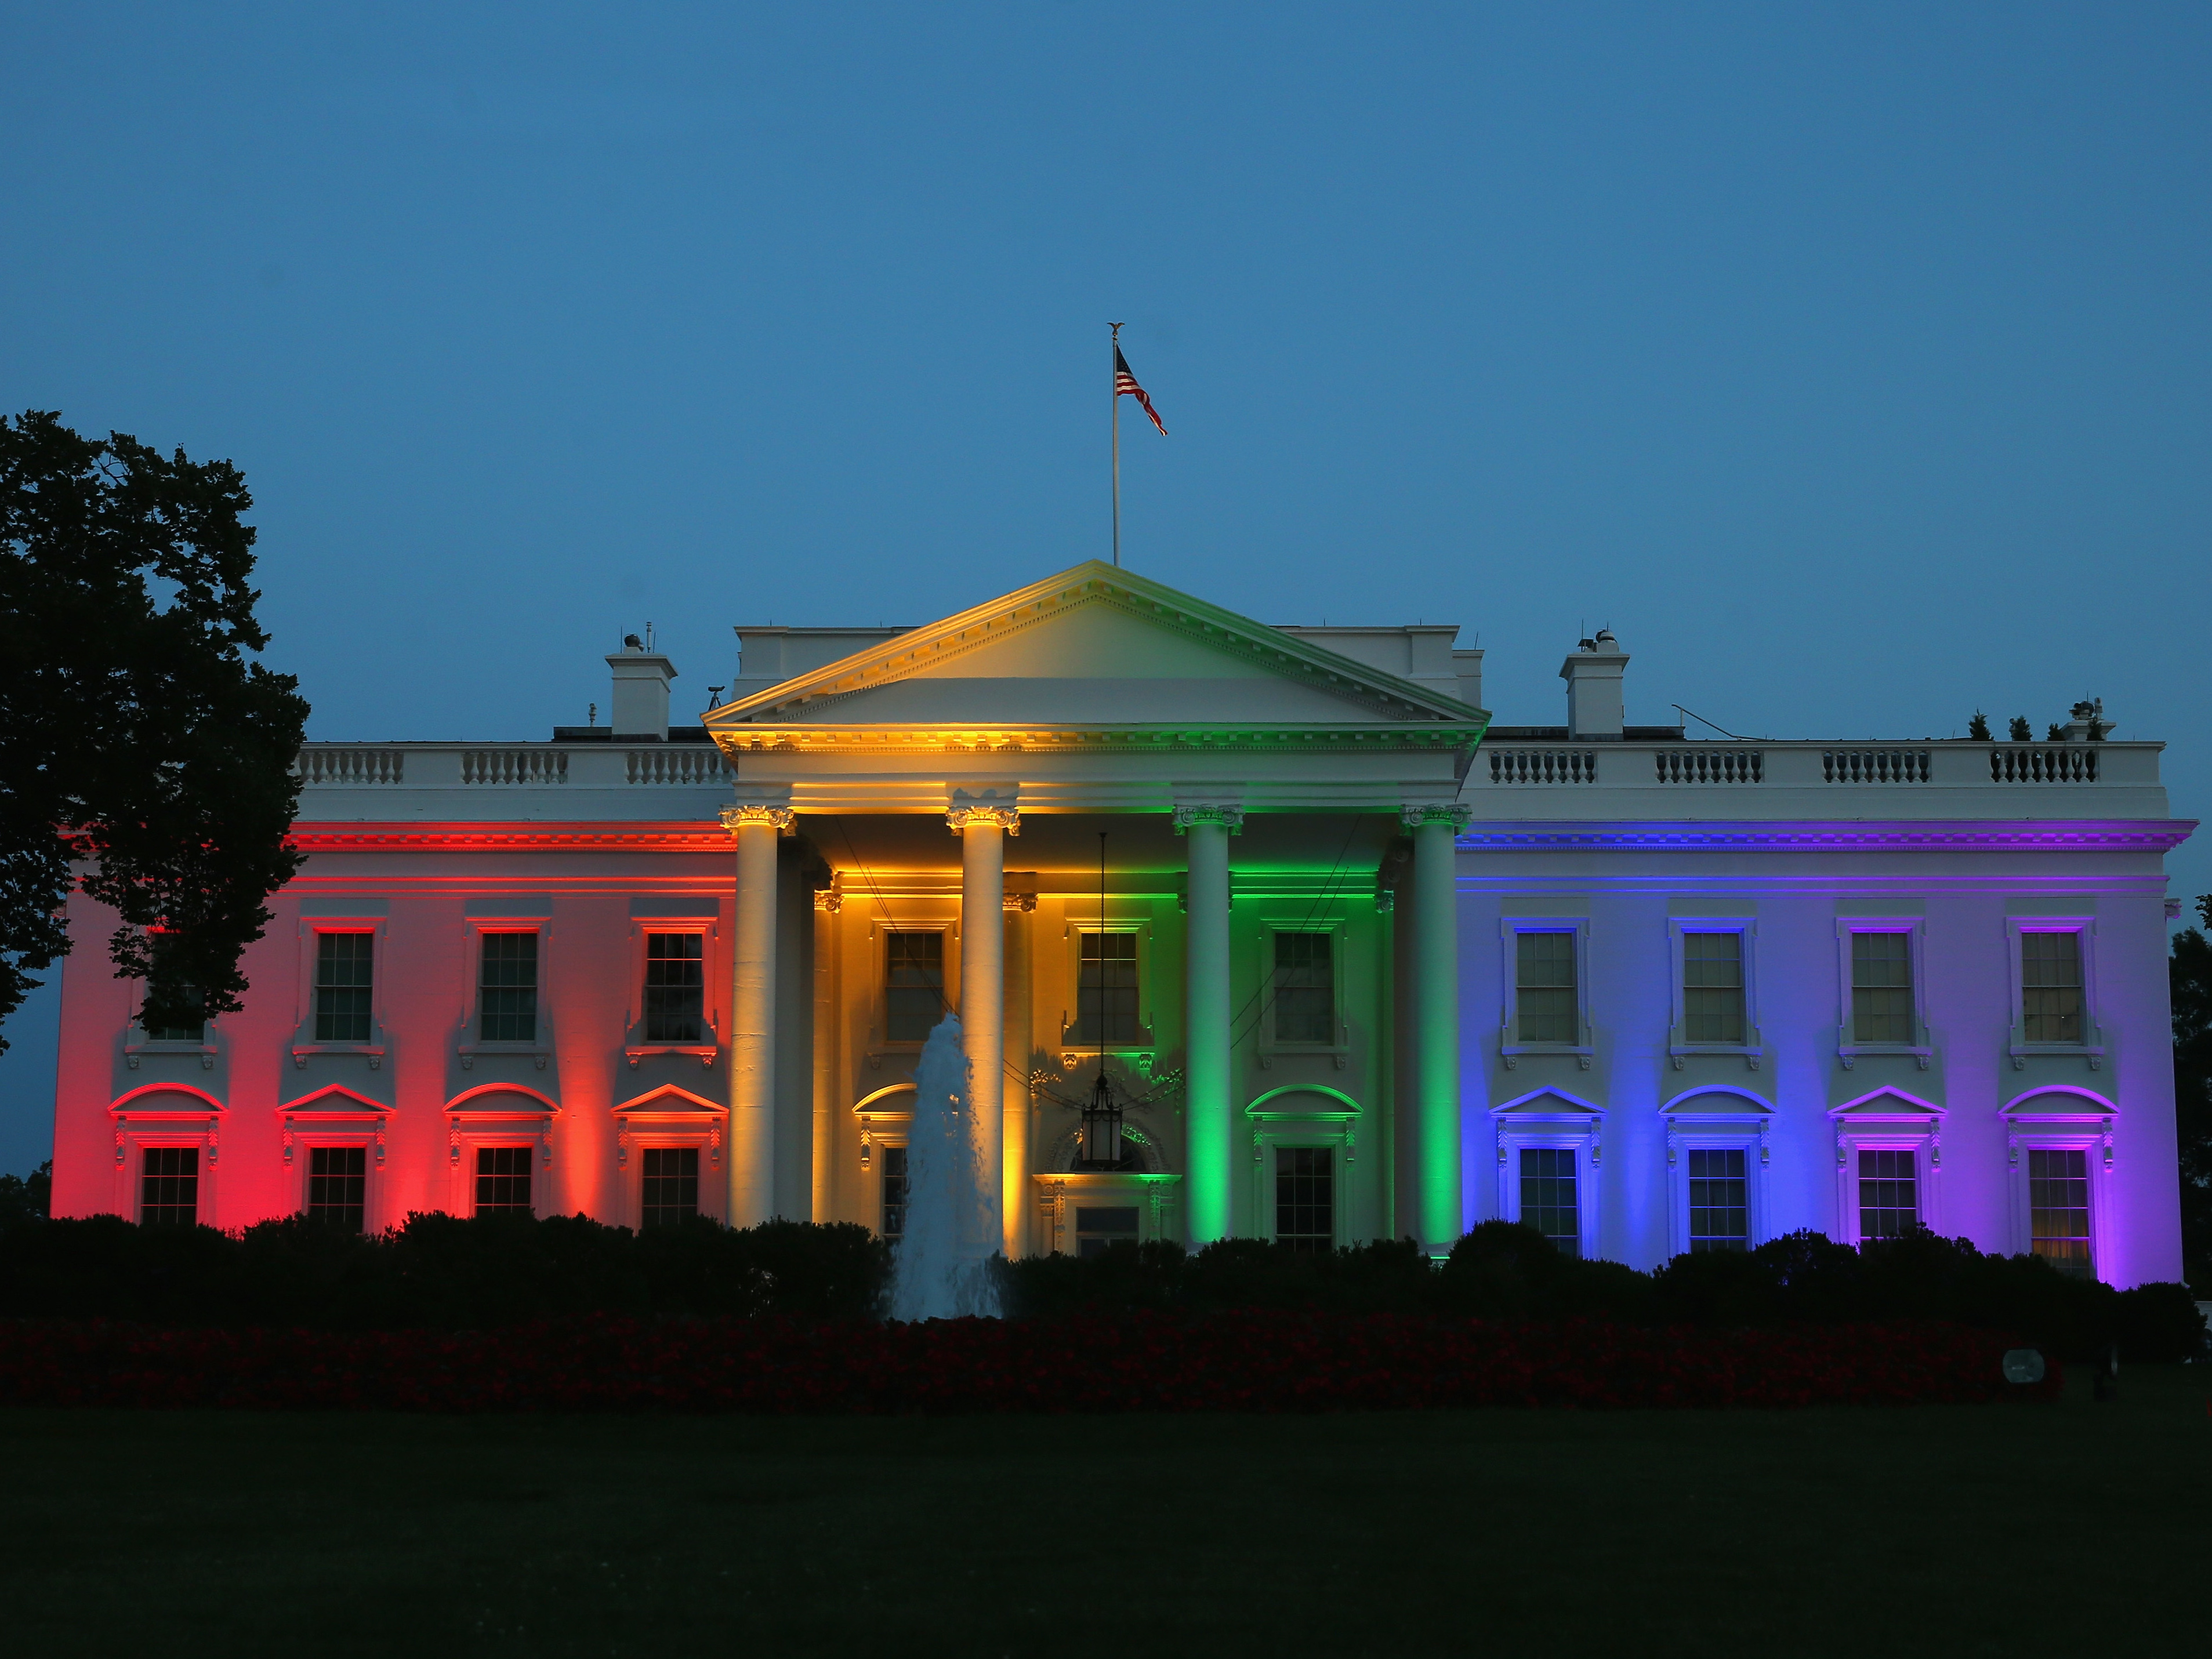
<point x="1850" y="362"/>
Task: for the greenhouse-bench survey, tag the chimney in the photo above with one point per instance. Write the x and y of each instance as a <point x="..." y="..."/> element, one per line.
<point x="641" y="704"/>
<point x="1592" y="671"/>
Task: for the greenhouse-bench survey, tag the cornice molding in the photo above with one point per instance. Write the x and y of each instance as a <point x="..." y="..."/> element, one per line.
<point x="2152" y="836"/>
<point x="704" y="837"/>
<point x="1243" y="736"/>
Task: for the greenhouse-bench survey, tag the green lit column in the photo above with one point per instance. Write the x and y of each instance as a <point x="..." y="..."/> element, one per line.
<point x="1435" y="916"/>
<point x="1206" y="1116"/>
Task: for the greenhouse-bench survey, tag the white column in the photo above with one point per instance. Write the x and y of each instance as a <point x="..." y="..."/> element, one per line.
<point x="1014" y="1199"/>
<point x="983" y="829"/>
<point x="1436" y="1159"/>
<point x="828" y="1046"/>
<point x="1208" y="1213"/>
<point x="752" y="1013"/>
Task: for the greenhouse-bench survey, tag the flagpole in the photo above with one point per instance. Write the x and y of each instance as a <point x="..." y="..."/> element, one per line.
<point x="1113" y="380"/>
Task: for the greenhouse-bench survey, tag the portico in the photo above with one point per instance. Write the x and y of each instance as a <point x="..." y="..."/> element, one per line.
<point x="1275" y="813"/>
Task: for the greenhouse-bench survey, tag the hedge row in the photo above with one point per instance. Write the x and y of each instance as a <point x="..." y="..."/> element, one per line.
<point x="442" y="1273"/>
<point x="1253" y="1359"/>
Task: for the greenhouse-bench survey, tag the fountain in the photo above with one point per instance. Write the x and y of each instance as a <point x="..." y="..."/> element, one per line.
<point x="943" y="1266"/>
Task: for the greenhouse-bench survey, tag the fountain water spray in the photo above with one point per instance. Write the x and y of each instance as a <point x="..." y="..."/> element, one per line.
<point x="943" y="1266"/>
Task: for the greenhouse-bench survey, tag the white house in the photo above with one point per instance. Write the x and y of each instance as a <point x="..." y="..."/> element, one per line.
<point x="1360" y="963"/>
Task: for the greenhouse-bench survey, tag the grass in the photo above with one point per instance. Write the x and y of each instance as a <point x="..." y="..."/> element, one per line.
<point x="1955" y="1530"/>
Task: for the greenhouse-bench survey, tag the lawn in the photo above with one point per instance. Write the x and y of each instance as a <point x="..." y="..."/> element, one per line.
<point x="1957" y="1530"/>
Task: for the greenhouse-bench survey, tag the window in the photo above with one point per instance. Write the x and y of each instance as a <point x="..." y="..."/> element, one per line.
<point x="1544" y="987"/>
<point x="1098" y="1228"/>
<point x="670" y="1192"/>
<point x="344" y="977"/>
<point x="914" y="986"/>
<point x="1720" y="1200"/>
<point x="675" y="988"/>
<point x="1889" y="1186"/>
<point x="1305" y="988"/>
<point x="1549" y="1202"/>
<point x="1106" y="990"/>
<point x="2059" y="1203"/>
<point x="1712" y="988"/>
<point x="166" y="1025"/>
<point x="1305" y="1199"/>
<point x="894" y="1190"/>
<point x="1882" y="988"/>
<point x="169" y="1187"/>
<point x="503" y="1180"/>
<point x="2050" y="987"/>
<point x="337" y="1185"/>
<point x="507" y="989"/>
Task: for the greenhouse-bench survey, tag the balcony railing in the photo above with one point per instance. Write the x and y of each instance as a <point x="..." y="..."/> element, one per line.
<point x="671" y="765"/>
<point x="1697" y="763"/>
<point x="1873" y="765"/>
<point x="343" y="763"/>
<point x="1756" y="768"/>
<point x="1516" y="765"/>
<point x="511" y="766"/>
<point x="514" y="766"/>
<point x="2058" y="763"/>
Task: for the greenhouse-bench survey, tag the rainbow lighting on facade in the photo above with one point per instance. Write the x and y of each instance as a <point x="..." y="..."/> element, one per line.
<point x="1363" y="964"/>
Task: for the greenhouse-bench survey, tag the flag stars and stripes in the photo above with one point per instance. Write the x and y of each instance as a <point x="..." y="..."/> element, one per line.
<point x="1125" y="386"/>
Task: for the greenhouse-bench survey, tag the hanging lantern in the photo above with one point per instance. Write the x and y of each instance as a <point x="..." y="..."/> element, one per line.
<point x="1102" y="1127"/>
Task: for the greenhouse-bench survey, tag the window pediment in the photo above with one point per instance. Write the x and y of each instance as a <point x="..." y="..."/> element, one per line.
<point x="1887" y="1104"/>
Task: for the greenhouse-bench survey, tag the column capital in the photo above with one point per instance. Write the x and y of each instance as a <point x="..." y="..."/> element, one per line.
<point x="828" y="899"/>
<point x="967" y="814"/>
<point x="1230" y="818"/>
<point x="1449" y="812"/>
<point x="781" y="818"/>
<point x="1023" y="901"/>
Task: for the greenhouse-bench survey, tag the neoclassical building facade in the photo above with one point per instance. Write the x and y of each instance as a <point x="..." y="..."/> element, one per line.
<point x="1354" y="961"/>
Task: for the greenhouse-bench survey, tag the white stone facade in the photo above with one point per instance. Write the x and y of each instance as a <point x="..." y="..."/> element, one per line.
<point x="1322" y="863"/>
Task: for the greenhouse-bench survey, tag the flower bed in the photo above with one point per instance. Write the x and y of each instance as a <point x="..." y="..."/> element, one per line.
<point x="1256" y="1360"/>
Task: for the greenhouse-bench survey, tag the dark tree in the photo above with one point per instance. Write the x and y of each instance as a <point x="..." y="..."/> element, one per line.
<point x="2191" y="970"/>
<point x="1978" y="727"/>
<point x="142" y="754"/>
<point x="2021" y="731"/>
<point x="27" y="1198"/>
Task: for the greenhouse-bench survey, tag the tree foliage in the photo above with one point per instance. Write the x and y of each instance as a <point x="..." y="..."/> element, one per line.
<point x="142" y="754"/>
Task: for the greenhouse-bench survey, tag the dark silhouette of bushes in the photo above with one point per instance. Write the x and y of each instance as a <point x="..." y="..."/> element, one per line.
<point x="438" y="1272"/>
<point x="444" y="1273"/>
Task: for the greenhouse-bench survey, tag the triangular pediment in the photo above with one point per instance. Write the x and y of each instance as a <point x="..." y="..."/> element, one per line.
<point x="1095" y="646"/>
<point x="1886" y="1103"/>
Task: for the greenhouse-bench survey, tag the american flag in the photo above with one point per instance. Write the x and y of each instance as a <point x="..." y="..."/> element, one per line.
<point x="1125" y="386"/>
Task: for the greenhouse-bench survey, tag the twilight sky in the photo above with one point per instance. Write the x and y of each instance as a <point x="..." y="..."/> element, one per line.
<point x="1850" y="362"/>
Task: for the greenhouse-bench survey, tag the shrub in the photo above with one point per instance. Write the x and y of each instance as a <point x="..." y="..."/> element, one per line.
<point x="445" y="1272"/>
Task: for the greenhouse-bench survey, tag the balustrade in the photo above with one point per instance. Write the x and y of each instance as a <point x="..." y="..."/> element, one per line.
<point x="498" y="766"/>
<point x="1873" y="765"/>
<point x="1697" y="763"/>
<point x="320" y="765"/>
<point x="1542" y="765"/>
<point x="692" y="766"/>
<point x="2056" y="763"/>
